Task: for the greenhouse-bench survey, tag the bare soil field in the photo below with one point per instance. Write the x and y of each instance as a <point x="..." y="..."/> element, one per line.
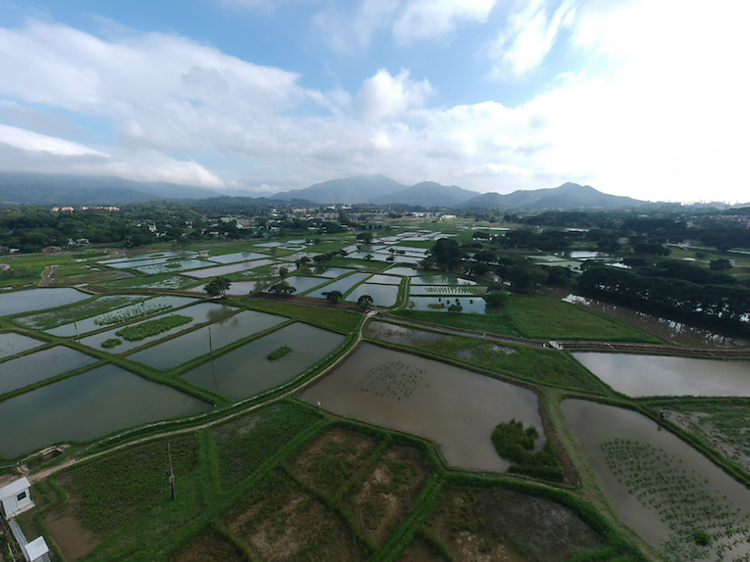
<point x="494" y="525"/>
<point x="382" y="502"/>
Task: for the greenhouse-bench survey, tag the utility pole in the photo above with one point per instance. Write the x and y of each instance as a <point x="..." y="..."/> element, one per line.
<point x="171" y="472"/>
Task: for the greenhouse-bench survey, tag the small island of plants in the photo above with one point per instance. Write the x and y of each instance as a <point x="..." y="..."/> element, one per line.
<point x="283" y="351"/>
<point x="516" y="444"/>
<point x="153" y="327"/>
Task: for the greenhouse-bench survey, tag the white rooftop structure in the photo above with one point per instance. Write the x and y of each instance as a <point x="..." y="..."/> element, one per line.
<point x="15" y="498"/>
<point x="37" y="550"/>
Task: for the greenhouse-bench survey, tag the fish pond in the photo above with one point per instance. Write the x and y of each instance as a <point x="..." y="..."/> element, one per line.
<point x="199" y="314"/>
<point x="382" y="295"/>
<point x="400" y="270"/>
<point x="248" y="371"/>
<point x="86" y="407"/>
<point x="302" y="283"/>
<point x="655" y="375"/>
<point x="454" y="407"/>
<point x="385" y="279"/>
<point x="57" y="317"/>
<point x="188" y="346"/>
<point x="42" y="365"/>
<point x="471" y="305"/>
<point x="16" y="302"/>
<point x="172" y="266"/>
<point x="342" y="285"/>
<point x="227" y="269"/>
<point x="439" y="280"/>
<point x="13" y="344"/>
<point x="672" y="496"/>
<point x="237" y="257"/>
<point x="140" y="309"/>
<point x="329" y="272"/>
<point x="447" y="290"/>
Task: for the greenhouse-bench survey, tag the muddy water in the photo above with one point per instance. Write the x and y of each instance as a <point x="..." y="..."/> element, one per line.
<point x="594" y="424"/>
<point x="454" y="407"/>
<point x="670" y="330"/>
<point x="247" y="370"/>
<point x="400" y="334"/>
<point x="86" y="407"/>
<point x="652" y="375"/>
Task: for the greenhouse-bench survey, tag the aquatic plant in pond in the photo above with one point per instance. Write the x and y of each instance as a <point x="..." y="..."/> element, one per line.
<point x="111" y="342"/>
<point x="516" y="444"/>
<point x="393" y="379"/>
<point x="131" y="313"/>
<point x="279" y="353"/>
<point x="702" y="523"/>
<point x="152" y="327"/>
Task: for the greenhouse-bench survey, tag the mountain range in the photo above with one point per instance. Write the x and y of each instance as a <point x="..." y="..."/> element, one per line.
<point x="40" y="189"/>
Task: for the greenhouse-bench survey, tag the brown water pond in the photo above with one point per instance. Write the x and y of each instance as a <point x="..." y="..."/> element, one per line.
<point x="653" y="480"/>
<point x="454" y="407"/>
<point x="654" y="375"/>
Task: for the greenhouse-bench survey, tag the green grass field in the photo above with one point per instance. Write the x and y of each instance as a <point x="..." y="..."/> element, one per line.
<point x="539" y="317"/>
<point x="500" y="324"/>
<point x="329" y="318"/>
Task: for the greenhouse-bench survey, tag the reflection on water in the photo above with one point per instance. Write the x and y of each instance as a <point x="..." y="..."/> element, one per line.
<point x="39" y="366"/>
<point x="595" y="425"/>
<point x="88" y="406"/>
<point x="654" y="375"/>
<point x="454" y="407"/>
<point x="676" y="332"/>
<point x="14" y="302"/>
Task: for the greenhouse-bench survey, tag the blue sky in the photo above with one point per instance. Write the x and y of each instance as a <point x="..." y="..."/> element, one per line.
<point x="646" y="98"/>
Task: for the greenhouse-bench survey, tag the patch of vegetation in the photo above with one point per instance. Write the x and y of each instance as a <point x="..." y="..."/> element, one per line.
<point x="84" y="309"/>
<point x="541" y="317"/>
<point x="131" y="313"/>
<point x="530" y="363"/>
<point x="243" y="445"/>
<point x="488" y="323"/>
<point x="680" y="498"/>
<point x="159" y="281"/>
<point x="153" y="327"/>
<point x="393" y="379"/>
<point x="20" y="273"/>
<point x="339" y="321"/>
<point x="111" y="342"/>
<point x="283" y="351"/>
<point x="516" y="444"/>
<point x="109" y="491"/>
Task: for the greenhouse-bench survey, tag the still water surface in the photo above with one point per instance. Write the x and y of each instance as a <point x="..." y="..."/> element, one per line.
<point x="39" y="366"/>
<point x="454" y="407"/>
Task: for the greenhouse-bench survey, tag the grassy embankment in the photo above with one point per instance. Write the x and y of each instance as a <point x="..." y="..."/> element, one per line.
<point x="278" y="473"/>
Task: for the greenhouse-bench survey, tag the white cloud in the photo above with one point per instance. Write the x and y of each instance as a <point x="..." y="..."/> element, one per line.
<point x="529" y="35"/>
<point x="383" y="95"/>
<point x="349" y="32"/>
<point x="429" y="19"/>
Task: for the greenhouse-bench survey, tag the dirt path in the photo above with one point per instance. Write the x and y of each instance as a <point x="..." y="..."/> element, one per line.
<point x="45" y="473"/>
<point x="48" y="276"/>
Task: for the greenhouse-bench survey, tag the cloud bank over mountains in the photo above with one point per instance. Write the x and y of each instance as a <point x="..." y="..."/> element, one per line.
<point x="616" y="94"/>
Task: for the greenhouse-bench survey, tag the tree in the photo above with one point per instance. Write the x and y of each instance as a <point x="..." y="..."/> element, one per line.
<point x="333" y="296"/>
<point x="720" y="264"/>
<point x="282" y="288"/>
<point x="304" y="260"/>
<point x="218" y="287"/>
<point x="366" y="237"/>
<point x="364" y="301"/>
<point x="283" y="272"/>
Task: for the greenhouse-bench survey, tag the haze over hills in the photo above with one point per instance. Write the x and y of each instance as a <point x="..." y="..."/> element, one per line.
<point x="41" y="189"/>
<point x="47" y="189"/>
<point x="568" y="196"/>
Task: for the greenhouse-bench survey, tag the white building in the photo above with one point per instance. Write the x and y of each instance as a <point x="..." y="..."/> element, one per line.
<point x="15" y="498"/>
<point x="36" y="551"/>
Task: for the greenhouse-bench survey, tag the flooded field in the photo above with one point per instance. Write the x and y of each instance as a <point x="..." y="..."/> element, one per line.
<point x="401" y="335"/>
<point x="39" y="366"/>
<point x="342" y="285"/>
<point x="447" y="290"/>
<point x="50" y="319"/>
<point x="670" y="330"/>
<point x="15" y="302"/>
<point x="385" y="280"/>
<point x="440" y="280"/>
<point x="248" y="371"/>
<point x="329" y="272"/>
<point x="472" y="305"/>
<point x="654" y="480"/>
<point x="86" y="407"/>
<point x="172" y="266"/>
<point x="241" y="288"/>
<point x="123" y="314"/>
<point x="382" y="295"/>
<point x="12" y="344"/>
<point x="157" y="255"/>
<point x="227" y="269"/>
<point x="400" y="270"/>
<point x="454" y="407"/>
<point x="303" y="284"/>
<point x="237" y="257"/>
<point x="196" y="343"/>
<point x="200" y="314"/>
<point x="653" y="375"/>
